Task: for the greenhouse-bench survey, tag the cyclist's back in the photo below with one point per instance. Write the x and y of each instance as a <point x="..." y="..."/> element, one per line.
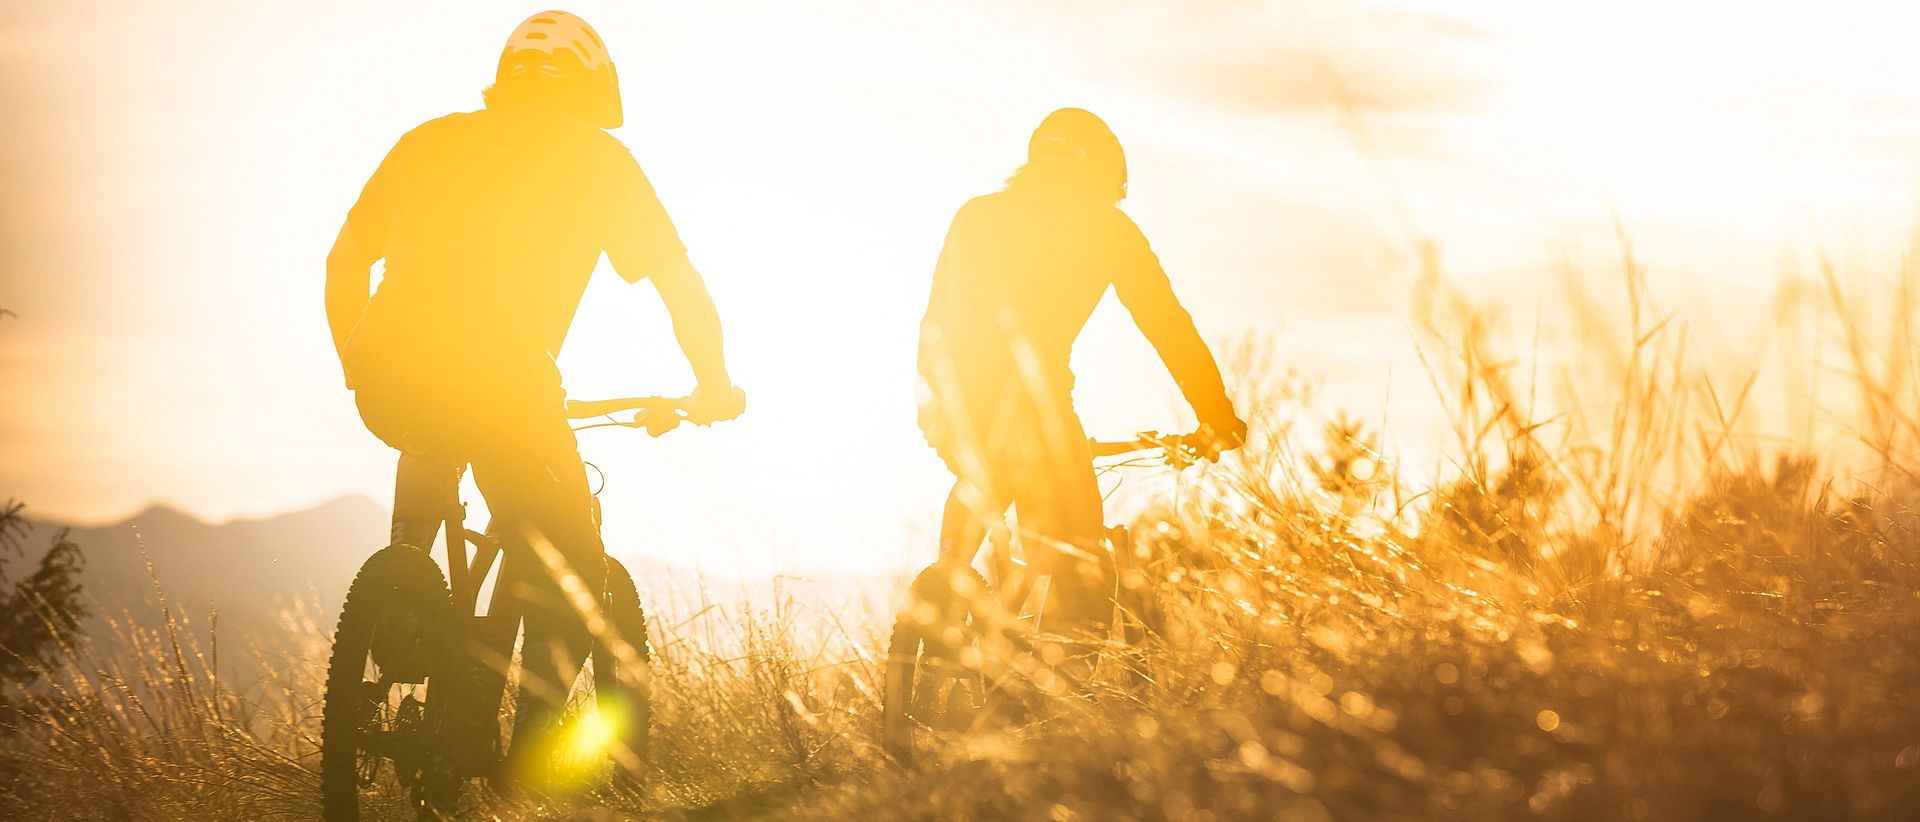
<point x="494" y="220"/>
<point x="1021" y="274"/>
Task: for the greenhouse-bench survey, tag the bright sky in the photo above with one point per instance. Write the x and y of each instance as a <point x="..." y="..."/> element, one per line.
<point x="174" y="174"/>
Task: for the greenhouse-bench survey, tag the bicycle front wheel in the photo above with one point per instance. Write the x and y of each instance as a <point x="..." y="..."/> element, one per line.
<point x="622" y="671"/>
<point x="930" y="684"/>
<point x="391" y="628"/>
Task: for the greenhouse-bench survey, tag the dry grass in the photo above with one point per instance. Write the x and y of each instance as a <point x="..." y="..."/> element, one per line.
<point x="1621" y="609"/>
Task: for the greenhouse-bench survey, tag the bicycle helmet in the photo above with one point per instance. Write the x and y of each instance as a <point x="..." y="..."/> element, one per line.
<point x="555" y="46"/>
<point x="1076" y="135"/>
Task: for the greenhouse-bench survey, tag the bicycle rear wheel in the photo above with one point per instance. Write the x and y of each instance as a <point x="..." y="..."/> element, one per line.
<point x="930" y="684"/>
<point x="623" y="682"/>
<point x="391" y="629"/>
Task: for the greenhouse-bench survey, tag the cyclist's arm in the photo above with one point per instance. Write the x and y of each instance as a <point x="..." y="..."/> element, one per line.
<point x="1143" y="288"/>
<point x="955" y="263"/>
<point x="362" y="241"/>
<point x="642" y="244"/>
<point x="932" y="324"/>
<point x="696" y="322"/>
<point x="349" y="278"/>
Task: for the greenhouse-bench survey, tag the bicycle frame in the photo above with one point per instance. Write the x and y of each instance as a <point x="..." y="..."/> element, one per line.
<point x="1012" y="582"/>
<point x="920" y="646"/>
<point x="471" y="662"/>
<point x="463" y="707"/>
<point x="410" y="620"/>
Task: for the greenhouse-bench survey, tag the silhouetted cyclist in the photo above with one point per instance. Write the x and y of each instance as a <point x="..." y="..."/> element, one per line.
<point x="1021" y="272"/>
<point x="490" y="223"/>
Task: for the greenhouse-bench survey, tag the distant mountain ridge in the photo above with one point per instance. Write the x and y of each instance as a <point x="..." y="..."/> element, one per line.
<point x="251" y="571"/>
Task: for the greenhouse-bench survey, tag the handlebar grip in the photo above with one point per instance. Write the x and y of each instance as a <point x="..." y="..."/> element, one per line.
<point x="1180" y="449"/>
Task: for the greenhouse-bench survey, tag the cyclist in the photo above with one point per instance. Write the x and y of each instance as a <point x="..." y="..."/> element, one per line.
<point x="1021" y="272"/>
<point x="490" y="223"/>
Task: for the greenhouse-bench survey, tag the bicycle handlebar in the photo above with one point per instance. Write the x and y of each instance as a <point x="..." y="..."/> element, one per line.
<point x="585" y="409"/>
<point x="657" y="415"/>
<point x="1181" y="449"/>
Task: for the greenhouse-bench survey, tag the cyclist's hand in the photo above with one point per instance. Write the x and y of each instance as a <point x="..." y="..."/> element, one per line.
<point x="1216" y="437"/>
<point x="710" y="405"/>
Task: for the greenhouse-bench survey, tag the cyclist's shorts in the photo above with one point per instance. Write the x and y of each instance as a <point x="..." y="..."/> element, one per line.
<point x="1005" y="457"/>
<point x="424" y="415"/>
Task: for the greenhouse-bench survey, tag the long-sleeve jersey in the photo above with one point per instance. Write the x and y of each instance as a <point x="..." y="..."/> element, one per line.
<point x="1020" y="275"/>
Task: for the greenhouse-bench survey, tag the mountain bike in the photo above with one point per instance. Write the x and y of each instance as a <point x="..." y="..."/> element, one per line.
<point x="417" y="677"/>
<point x="962" y="640"/>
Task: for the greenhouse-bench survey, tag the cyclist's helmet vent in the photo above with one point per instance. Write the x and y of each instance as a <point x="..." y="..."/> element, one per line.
<point x="561" y="46"/>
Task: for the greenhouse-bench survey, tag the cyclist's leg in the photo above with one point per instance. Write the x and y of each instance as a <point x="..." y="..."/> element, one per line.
<point x="406" y="412"/>
<point x="425" y="494"/>
<point x="536" y="487"/>
<point x="973" y="502"/>
<point x="1061" y="524"/>
<point x="976" y="504"/>
<point x="963" y="522"/>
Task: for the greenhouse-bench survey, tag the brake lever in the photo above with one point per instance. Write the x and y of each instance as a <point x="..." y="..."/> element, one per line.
<point x="1180" y="454"/>
<point x="1174" y="450"/>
